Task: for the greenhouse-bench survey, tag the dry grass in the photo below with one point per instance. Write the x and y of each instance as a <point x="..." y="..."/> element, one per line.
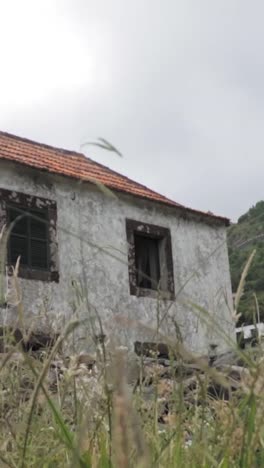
<point x="69" y="425"/>
<point x="95" y="419"/>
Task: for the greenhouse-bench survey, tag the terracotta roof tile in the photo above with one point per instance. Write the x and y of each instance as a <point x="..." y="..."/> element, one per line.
<point x="78" y="166"/>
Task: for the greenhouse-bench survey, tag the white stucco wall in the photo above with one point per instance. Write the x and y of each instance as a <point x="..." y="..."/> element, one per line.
<point x="93" y="252"/>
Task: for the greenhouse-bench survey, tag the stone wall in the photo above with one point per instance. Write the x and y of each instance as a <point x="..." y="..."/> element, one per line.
<point x="93" y="270"/>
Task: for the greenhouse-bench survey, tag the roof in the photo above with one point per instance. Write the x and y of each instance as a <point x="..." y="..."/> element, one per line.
<point x="78" y="166"/>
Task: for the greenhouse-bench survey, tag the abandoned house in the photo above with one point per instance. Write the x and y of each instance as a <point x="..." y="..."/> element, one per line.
<point x="93" y="242"/>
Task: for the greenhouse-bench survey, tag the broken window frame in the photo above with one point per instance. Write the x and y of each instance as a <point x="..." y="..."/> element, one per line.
<point x="20" y="201"/>
<point x="165" y="288"/>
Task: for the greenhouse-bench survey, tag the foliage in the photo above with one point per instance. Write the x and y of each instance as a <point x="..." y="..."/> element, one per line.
<point x="69" y="427"/>
<point x="244" y="237"/>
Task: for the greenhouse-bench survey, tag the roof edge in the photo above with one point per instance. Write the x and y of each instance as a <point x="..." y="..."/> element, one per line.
<point x="167" y="202"/>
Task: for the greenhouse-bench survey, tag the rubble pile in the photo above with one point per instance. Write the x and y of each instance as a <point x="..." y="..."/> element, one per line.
<point x="154" y="374"/>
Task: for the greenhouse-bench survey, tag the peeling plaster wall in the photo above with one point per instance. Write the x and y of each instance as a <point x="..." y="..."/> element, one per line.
<point x="92" y="249"/>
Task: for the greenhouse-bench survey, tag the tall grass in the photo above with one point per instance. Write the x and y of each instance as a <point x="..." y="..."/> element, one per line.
<point x="96" y="419"/>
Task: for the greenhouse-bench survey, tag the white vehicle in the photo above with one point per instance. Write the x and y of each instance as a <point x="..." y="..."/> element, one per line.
<point x="247" y="333"/>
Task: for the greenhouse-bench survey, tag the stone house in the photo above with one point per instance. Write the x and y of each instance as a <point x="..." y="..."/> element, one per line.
<point x="93" y="242"/>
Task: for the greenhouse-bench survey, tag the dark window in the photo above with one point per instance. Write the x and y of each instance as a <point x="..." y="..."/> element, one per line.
<point x="33" y="234"/>
<point x="28" y="237"/>
<point x="147" y="262"/>
<point x="150" y="260"/>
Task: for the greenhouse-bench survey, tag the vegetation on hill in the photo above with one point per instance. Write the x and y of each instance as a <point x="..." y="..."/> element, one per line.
<point x="243" y="238"/>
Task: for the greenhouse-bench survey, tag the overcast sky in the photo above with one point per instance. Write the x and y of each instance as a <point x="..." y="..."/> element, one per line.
<point x="176" y="85"/>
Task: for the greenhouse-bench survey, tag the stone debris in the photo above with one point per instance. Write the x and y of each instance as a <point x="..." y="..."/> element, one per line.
<point x="35" y="341"/>
<point x="153" y="379"/>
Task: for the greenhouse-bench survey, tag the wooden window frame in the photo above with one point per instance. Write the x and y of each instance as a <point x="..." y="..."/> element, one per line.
<point x="166" y="289"/>
<point x="17" y="200"/>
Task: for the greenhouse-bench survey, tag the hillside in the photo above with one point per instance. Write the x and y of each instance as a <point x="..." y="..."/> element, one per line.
<point x="243" y="238"/>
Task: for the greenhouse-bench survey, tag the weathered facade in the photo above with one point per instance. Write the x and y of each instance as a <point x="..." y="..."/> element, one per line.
<point x="94" y="240"/>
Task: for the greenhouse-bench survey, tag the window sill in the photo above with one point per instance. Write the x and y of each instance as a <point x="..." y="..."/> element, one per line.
<point x="37" y="275"/>
<point x="151" y="293"/>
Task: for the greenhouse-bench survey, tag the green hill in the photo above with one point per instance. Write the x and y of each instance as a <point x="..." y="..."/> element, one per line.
<point x="243" y="238"/>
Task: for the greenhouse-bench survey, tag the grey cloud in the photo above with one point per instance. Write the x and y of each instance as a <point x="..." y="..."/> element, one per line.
<point x="183" y="97"/>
